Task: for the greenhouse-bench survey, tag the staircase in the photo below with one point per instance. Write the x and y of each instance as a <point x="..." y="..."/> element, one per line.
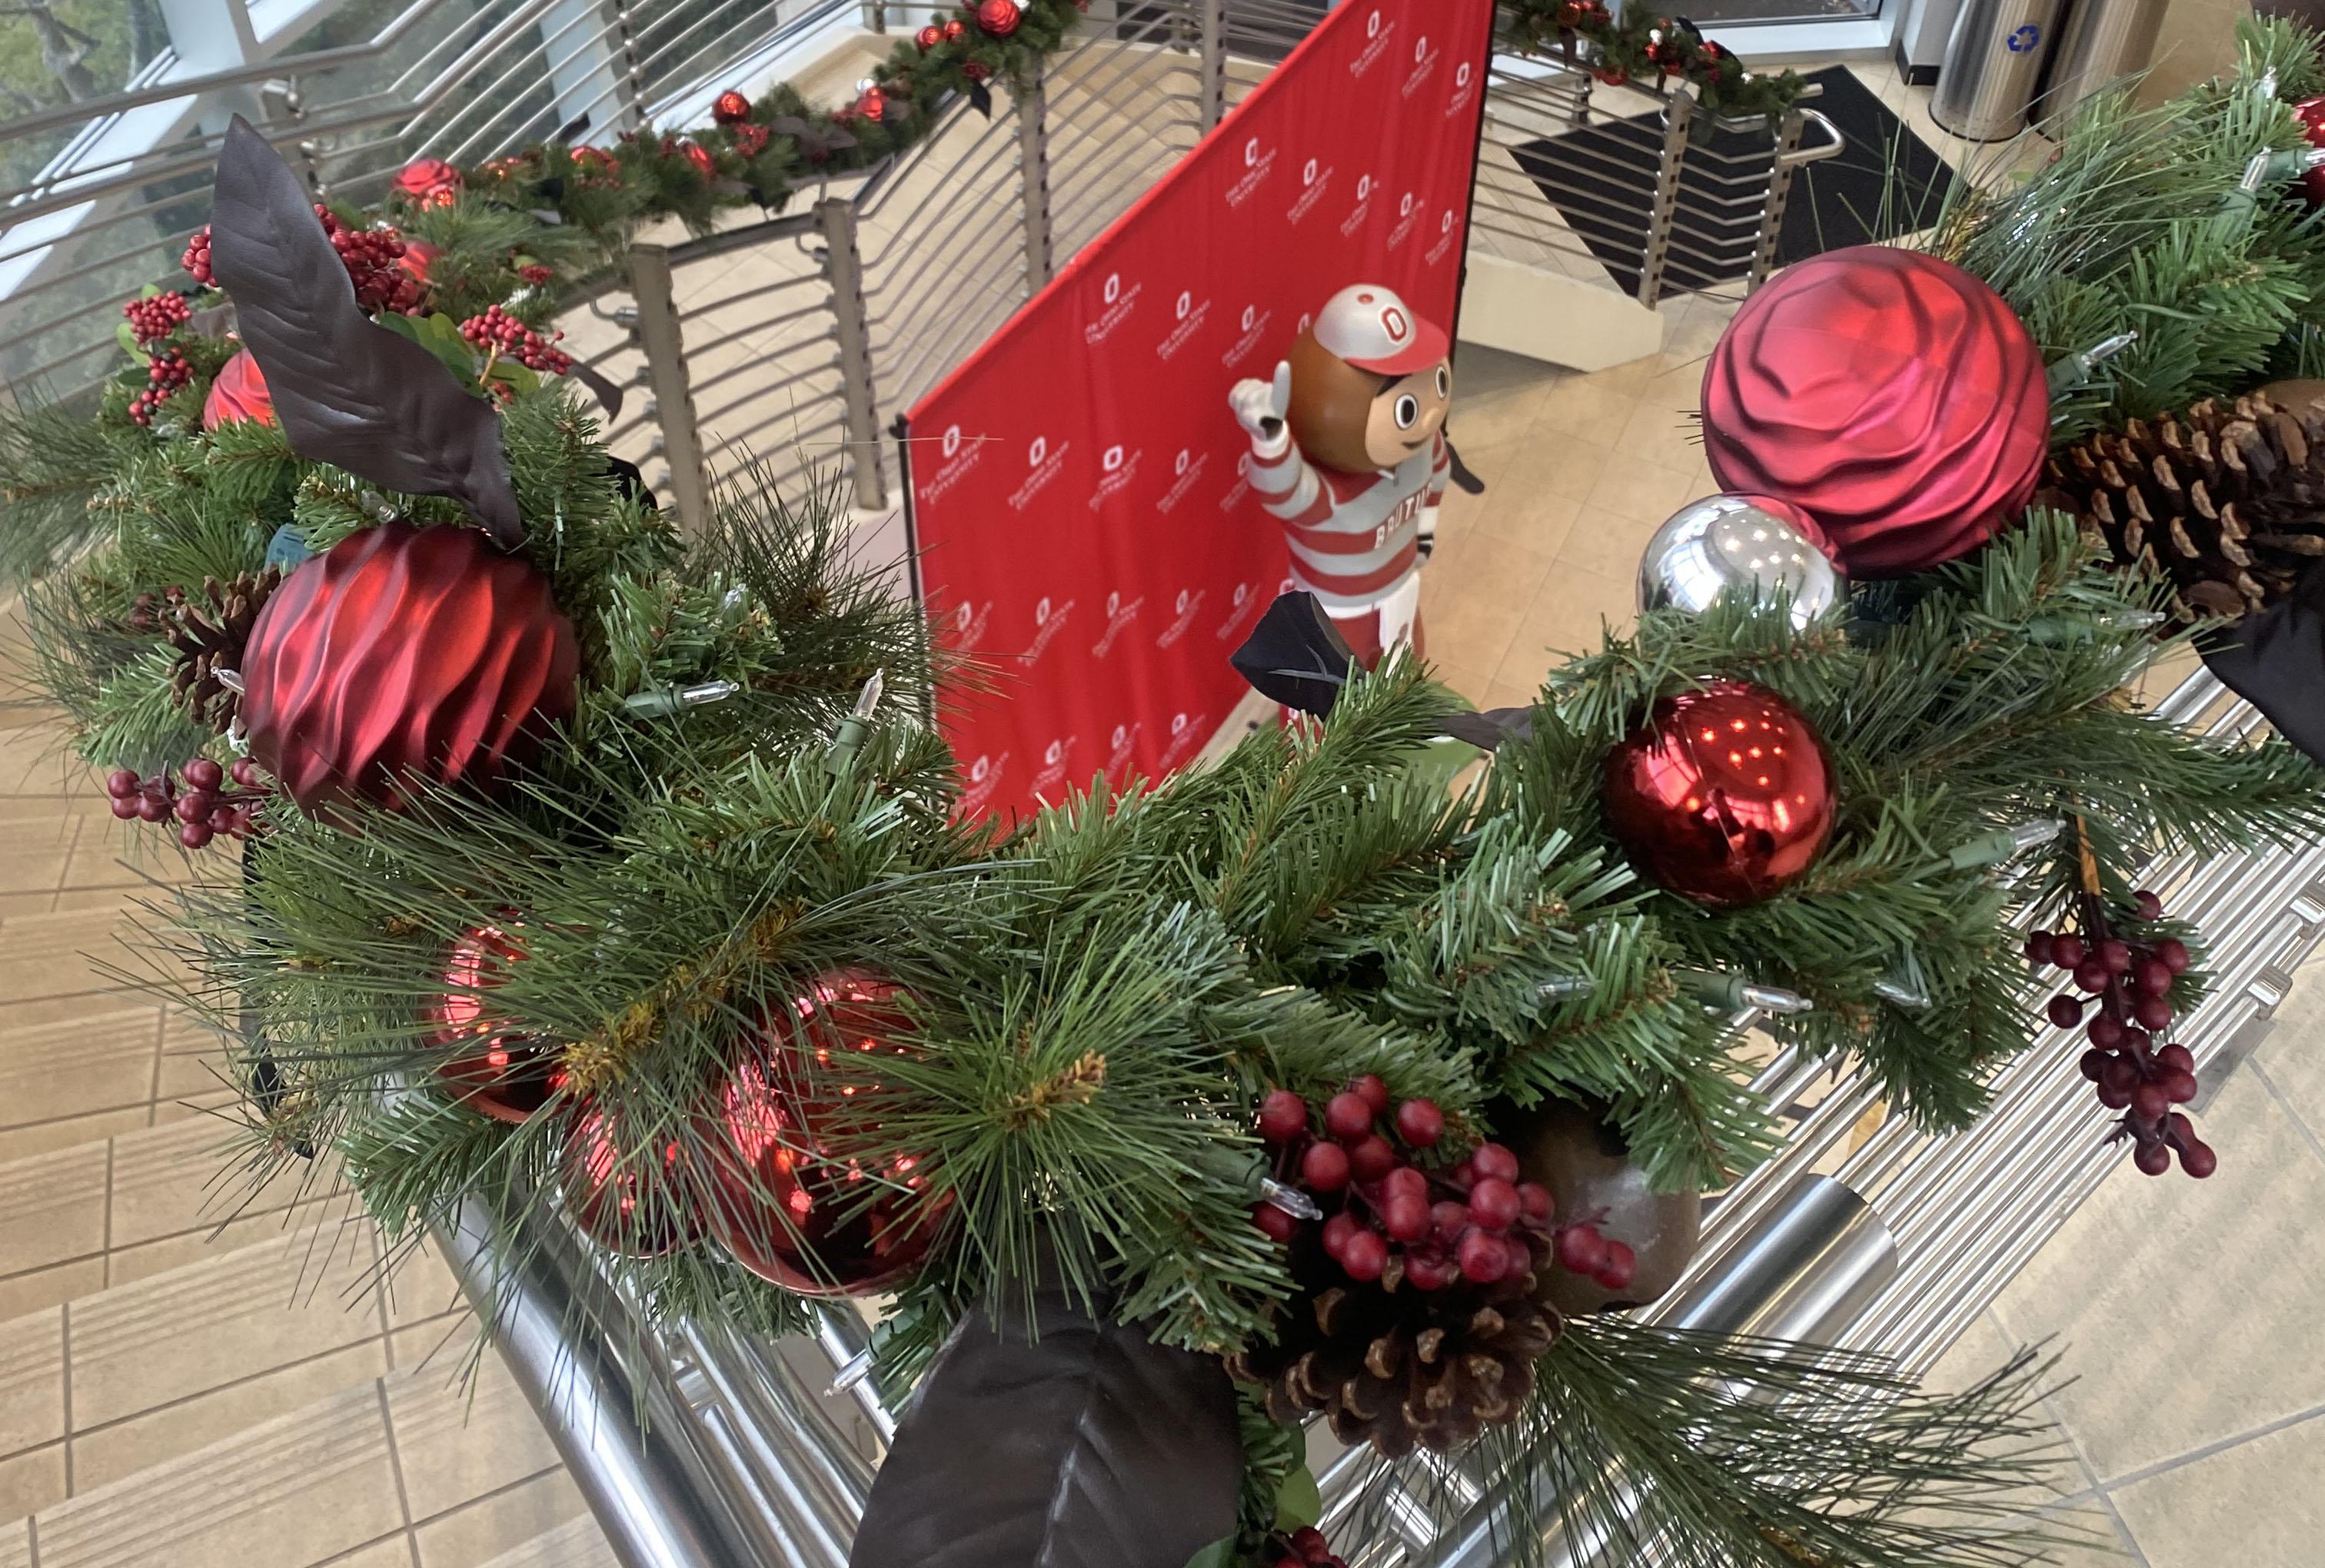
<point x="195" y="1370"/>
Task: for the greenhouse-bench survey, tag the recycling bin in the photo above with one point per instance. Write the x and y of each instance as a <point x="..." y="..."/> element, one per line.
<point x="1993" y="64"/>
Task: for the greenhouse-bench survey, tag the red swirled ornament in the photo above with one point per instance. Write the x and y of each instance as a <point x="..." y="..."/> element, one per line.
<point x="428" y="181"/>
<point x="400" y="654"/>
<point x="238" y="392"/>
<point x="1724" y="795"/>
<point x="1892" y="396"/>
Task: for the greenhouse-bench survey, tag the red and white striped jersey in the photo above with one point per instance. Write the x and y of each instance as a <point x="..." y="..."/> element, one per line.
<point x="1354" y="536"/>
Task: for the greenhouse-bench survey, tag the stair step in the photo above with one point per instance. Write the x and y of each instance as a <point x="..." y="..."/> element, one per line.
<point x="577" y="1544"/>
<point x="381" y="1470"/>
<point x="115" y="1210"/>
<point x="102" y="1387"/>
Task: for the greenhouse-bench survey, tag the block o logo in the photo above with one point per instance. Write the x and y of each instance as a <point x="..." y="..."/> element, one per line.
<point x="1051" y="753"/>
<point x="1113" y="458"/>
<point x="1180" y="465"/>
<point x="1121" y="733"/>
<point x="1181" y="610"/>
<point x="962" y="617"/>
<point x="1405" y="207"/>
<point x="1249" y="315"/>
<point x="1461" y="75"/>
<point x="1372" y="25"/>
<point x="1041" y="612"/>
<point x="951" y="442"/>
<point x="1421" y="49"/>
<point x="1308" y="172"/>
<point x="1114" y="285"/>
<point x="1364" y="186"/>
<point x="1186" y="303"/>
<point x="1037" y="451"/>
<point x="979" y="769"/>
<point x="1250" y="152"/>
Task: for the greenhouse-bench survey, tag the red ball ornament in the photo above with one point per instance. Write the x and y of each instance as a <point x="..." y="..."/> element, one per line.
<point x="428" y="183"/>
<point x="2311" y="113"/>
<point x="730" y="108"/>
<point x="238" y="392"/>
<point x="928" y="38"/>
<point x="418" y="256"/>
<point x="1891" y="396"/>
<point x="626" y="1200"/>
<point x="405" y="653"/>
<point x="784" y="1198"/>
<point x="504" y="1076"/>
<point x="1723" y="797"/>
<point x="953" y="30"/>
<point x="873" y="105"/>
<point x="998" y="18"/>
<point x="696" y="153"/>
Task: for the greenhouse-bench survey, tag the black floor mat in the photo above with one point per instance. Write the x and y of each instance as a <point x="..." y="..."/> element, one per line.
<point x="1602" y="178"/>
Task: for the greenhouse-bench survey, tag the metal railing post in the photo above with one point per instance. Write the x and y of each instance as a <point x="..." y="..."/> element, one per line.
<point x="658" y="336"/>
<point x="1213" y="45"/>
<point x="842" y="268"/>
<point x="629" y="92"/>
<point x="1034" y="175"/>
<point x="1677" y="116"/>
<point x="1780" y="189"/>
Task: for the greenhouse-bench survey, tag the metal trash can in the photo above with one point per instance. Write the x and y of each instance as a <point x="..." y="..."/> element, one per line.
<point x="2103" y="41"/>
<point x="1993" y="61"/>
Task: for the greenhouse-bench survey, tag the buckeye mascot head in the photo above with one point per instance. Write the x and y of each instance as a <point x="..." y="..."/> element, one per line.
<point x="1370" y="382"/>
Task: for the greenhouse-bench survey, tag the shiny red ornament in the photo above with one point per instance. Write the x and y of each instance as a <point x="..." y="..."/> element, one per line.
<point x="238" y="392"/>
<point x="928" y="38"/>
<point x="998" y="18"/>
<point x="696" y="153"/>
<point x="1892" y="396"/>
<point x="873" y="103"/>
<point x="418" y="256"/>
<point x="429" y="182"/>
<point x="953" y="30"/>
<point x="2311" y="113"/>
<point x="405" y="653"/>
<point x="730" y="108"/>
<point x="504" y="1076"/>
<point x="626" y="1200"/>
<point x="1723" y="797"/>
<point x="781" y="1202"/>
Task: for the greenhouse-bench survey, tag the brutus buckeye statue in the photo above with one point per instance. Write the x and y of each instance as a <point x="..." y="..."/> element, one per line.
<point x="1347" y="448"/>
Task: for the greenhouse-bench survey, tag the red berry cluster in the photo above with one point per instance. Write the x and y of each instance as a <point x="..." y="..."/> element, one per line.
<point x="206" y="807"/>
<point x="2134" y="1074"/>
<point x="154" y="319"/>
<point x="750" y="141"/>
<point x="1395" y="1221"/>
<point x="534" y="274"/>
<point x="596" y="166"/>
<point x="197" y="259"/>
<point x="1306" y="1546"/>
<point x="976" y="70"/>
<point x="504" y="337"/>
<point x="370" y="256"/>
<point x="165" y="372"/>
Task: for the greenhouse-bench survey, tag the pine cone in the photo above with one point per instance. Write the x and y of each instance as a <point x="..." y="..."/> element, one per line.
<point x="209" y="631"/>
<point x="2227" y="501"/>
<point x="1401" y="1367"/>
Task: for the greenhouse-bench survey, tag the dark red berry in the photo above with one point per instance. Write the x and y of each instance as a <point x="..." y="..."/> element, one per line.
<point x="1282" y="1115"/>
<point x="194" y="805"/>
<point x="1278" y="1225"/>
<point x="1581" y="1249"/>
<point x="194" y="835"/>
<point x="1310" y="1544"/>
<point x="152" y="807"/>
<point x="1535" y="1202"/>
<point x="246" y="773"/>
<point x="2091" y="975"/>
<point x="1420" y="1123"/>
<point x="1372" y="1092"/>
<point x="2152" y="1012"/>
<point x="2149" y="906"/>
<point x="1406" y="1218"/>
<point x="2180" y="1088"/>
<point x="2038" y="946"/>
<point x="2115" y="1096"/>
<point x="1495" y="1204"/>
<point x="2174" y="954"/>
<point x="2066" y="950"/>
<point x="125" y="807"/>
<point x="2091" y="1062"/>
<point x="1371" y="1158"/>
<point x="2104" y="1032"/>
<point x="2198" y="1160"/>
<point x="2137" y="1040"/>
<point x="1324" y="1168"/>
<point x="1405" y="1180"/>
<point x="2115" y="954"/>
<point x="1364" y="1256"/>
<point x="1347" y="1117"/>
<point x="1491" y="1159"/>
<point x="2149" y="1102"/>
<point x="1483" y="1258"/>
<point x="1336" y="1231"/>
<point x="2118" y="1075"/>
<point x="1427" y="1272"/>
<point x="201" y="773"/>
<point x="2066" y="1012"/>
<point x="1450" y="1218"/>
<point x="122" y="781"/>
<point x="2152" y="1158"/>
<point x="1621" y="1266"/>
<point x="2176" y="1059"/>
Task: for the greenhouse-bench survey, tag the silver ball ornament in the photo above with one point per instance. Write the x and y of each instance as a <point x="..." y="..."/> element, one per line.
<point x="1736" y="541"/>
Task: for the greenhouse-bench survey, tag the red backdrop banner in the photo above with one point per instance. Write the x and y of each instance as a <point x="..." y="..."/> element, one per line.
<point x="1083" y="525"/>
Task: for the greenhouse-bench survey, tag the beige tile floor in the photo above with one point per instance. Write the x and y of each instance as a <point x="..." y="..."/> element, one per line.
<point x="177" y="1395"/>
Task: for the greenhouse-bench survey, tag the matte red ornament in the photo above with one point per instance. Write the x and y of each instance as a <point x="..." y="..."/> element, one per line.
<point x="238" y="392"/>
<point x="780" y="1199"/>
<point x="999" y="17"/>
<point x="1891" y="396"/>
<point x="405" y="653"/>
<point x="2311" y="113"/>
<point x="428" y="181"/>
<point x="504" y="1076"/>
<point x="626" y="1200"/>
<point x="730" y="108"/>
<point x="1723" y="797"/>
